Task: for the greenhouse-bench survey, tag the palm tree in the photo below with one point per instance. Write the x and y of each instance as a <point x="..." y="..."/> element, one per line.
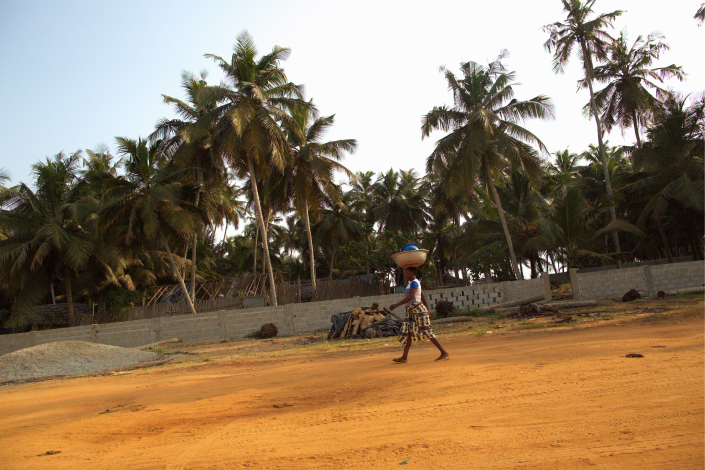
<point x="150" y="200"/>
<point x="248" y="131"/>
<point x="46" y="238"/>
<point x="275" y="193"/>
<point x="524" y="206"/>
<point x="114" y="263"/>
<point x="592" y="39"/>
<point x="448" y="201"/>
<point x="98" y="172"/>
<point x="672" y="180"/>
<point x="399" y="202"/>
<point x="362" y="194"/>
<point x="700" y="14"/>
<point x="228" y="207"/>
<point x="564" y="170"/>
<point x="482" y="242"/>
<point x="186" y="142"/>
<point x="312" y="166"/>
<point x="626" y="100"/>
<point x="571" y="227"/>
<point x="337" y="225"/>
<point x="439" y="237"/>
<point x="484" y="136"/>
<point x="593" y="174"/>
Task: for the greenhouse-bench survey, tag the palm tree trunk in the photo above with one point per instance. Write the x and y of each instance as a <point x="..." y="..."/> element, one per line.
<point x="664" y="240"/>
<point x="256" y="248"/>
<point x="601" y="145"/>
<point x="192" y="278"/>
<point x="69" y="295"/>
<point x="441" y="261"/>
<point x="455" y="262"/>
<point x="185" y="257"/>
<point x="266" y="230"/>
<point x="367" y="256"/>
<point x="310" y="246"/>
<point x="260" y="219"/>
<point x="332" y="261"/>
<point x="636" y="131"/>
<point x="176" y="269"/>
<point x="498" y="203"/>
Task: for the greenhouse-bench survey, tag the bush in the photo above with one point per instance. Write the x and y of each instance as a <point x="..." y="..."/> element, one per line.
<point x="444" y="308"/>
<point x="119" y="298"/>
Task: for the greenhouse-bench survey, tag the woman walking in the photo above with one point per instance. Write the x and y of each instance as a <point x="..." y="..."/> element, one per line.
<point x="417" y="323"/>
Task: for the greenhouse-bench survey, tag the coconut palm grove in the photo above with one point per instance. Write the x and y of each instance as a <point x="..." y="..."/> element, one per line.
<point x="244" y="181"/>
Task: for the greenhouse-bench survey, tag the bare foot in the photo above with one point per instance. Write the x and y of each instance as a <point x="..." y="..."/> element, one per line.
<point x="399" y="360"/>
<point x="443" y="357"/>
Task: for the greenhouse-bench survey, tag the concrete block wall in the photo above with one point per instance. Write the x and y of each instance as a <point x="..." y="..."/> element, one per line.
<point x="516" y="290"/>
<point x="468" y="296"/>
<point x="613" y="284"/>
<point x="289" y="319"/>
<point x="678" y="275"/>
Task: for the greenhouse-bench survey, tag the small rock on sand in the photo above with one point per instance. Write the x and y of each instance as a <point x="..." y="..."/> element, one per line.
<point x="631" y="295"/>
<point x="67" y="358"/>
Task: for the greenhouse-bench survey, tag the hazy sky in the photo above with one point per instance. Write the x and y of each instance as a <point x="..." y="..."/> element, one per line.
<point x="75" y="74"/>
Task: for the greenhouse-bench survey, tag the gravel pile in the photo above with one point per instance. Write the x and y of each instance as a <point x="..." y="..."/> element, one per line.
<point x="67" y="358"/>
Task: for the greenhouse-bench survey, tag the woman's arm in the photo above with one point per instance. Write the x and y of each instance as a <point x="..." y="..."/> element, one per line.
<point x="409" y="297"/>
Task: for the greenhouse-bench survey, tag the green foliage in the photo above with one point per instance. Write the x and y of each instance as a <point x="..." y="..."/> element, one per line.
<point x="374" y="254"/>
<point x="118" y="299"/>
<point x="491" y="258"/>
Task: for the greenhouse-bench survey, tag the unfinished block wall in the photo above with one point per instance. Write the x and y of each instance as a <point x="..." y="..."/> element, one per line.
<point x="289" y="319"/>
<point x="469" y="296"/>
<point x="613" y="284"/>
<point x="678" y="275"/>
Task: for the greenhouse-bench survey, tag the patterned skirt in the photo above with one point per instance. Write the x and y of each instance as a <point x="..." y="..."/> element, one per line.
<point x="417" y="322"/>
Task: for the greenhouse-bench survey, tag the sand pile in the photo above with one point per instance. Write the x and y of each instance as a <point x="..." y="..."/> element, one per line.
<point x="67" y="358"/>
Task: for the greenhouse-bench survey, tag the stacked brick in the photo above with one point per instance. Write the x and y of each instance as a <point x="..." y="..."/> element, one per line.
<point x="471" y="296"/>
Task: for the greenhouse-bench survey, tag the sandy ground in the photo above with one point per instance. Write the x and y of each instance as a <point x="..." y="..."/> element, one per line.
<point x="560" y="398"/>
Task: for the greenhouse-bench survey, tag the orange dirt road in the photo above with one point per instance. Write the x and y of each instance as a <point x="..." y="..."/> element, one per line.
<point x="551" y="399"/>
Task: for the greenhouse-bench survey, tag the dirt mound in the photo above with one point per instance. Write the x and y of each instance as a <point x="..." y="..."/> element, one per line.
<point x="67" y="358"/>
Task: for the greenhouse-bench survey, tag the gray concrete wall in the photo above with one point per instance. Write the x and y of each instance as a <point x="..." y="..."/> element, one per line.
<point x="613" y="284"/>
<point x="289" y="319"/>
<point x="559" y="278"/>
<point x="651" y="262"/>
